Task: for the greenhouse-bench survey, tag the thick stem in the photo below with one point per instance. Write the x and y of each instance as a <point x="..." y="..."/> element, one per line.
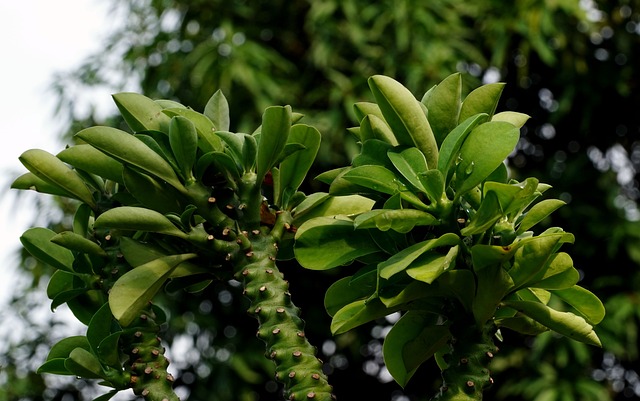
<point x="281" y="327"/>
<point x="147" y="363"/>
<point x="468" y="375"/>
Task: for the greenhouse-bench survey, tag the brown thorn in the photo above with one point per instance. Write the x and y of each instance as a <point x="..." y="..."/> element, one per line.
<point x="297" y="354"/>
<point x="269" y="271"/>
<point x="263" y="288"/>
<point x="292" y="374"/>
<point x="211" y="199"/>
<point x="315" y="376"/>
<point x="210" y="237"/>
<point x="280" y="310"/>
<point x="145" y="392"/>
<point x="249" y="254"/>
<point x="170" y="377"/>
<point x="148" y="370"/>
<point x="311" y="395"/>
<point x="245" y="272"/>
<point x="470" y="383"/>
<point x="255" y="232"/>
<point x="276" y="331"/>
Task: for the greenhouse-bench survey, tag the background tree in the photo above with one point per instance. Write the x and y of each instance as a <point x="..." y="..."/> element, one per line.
<point x="572" y="65"/>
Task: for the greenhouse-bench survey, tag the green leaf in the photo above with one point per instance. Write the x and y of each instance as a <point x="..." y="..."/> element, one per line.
<point x="141" y="113"/>
<point x="374" y="127"/>
<point x="294" y="168"/>
<point x="486" y="216"/>
<point x="82" y="219"/>
<point x="401" y="220"/>
<point x="487" y="255"/>
<point x="249" y="152"/>
<point x="84" y="364"/>
<point x="37" y="241"/>
<point x="450" y="147"/>
<point x="32" y="182"/>
<point x="560" y="274"/>
<point x="402" y="260"/>
<point x="87" y="158"/>
<point x="565" y="323"/>
<point x="362" y="109"/>
<point x="60" y="282"/>
<point x="443" y="105"/>
<point x="132" y="292"/>
<point x="207" y="140"/>
<point x="584" y="302"/>
<point x="373" y="152"/>
<point x="404" y="114"/>
<point x="517" y="119"/>
<point x="184" y="144"/>
<point x="358" y="313"/>
<point x="376" y="178"/>
<point x="78" y="243"/>
<point x="108" y="349"/>
<point x="99" y="327"/>
<point x="522" y="324"/>
<point x="482" y="152"/>
<point x="54" y="366"/>
<point x="347" y="290"/>
<point x="412" y="340"/>
<point x="515" y="197"/>
<point x="151" y="193"/>
<point x="276" y="124"/>
<point x="433" y="183"/>
<point x="217" y="109"/>
<point x="410" y="163"/>
<point x="539" y="212"/>
<point x="219" y="163"/>
<point x="63" y="348"/>
<point x="325" y="205"/>
<point x="429" y="266"/>
<point x="325" y="242"/>
<point x="51" y="169"/>
<point x="493" y="283"/>
<point x="461" y="283"/>
<point x="132" y="151"/>
<point x="482" y="100"/>
<point x="137" y="253"/>
<point x="531" y="259"/>
<point x="138" y="219"/>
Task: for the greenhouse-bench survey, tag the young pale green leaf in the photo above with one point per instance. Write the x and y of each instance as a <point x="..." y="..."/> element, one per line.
<point x="170" y="104"/>
<point x="183" y="139"/>
<point x="358" y="313"/>
<point x="410" y="163"/>
<point x="560" y="274"/>
<point x="412" y="340"/>
<point x="141" y="113"/>
<point x="531" y="260"/>
<point x="324" y="205"/>
<point x="404" y="114"/>
<point x="249" y="152"/>
<point x="150" y="193"/>
<point x="82" y="220"/>
<point x="78" y="243"/>
<point x="51" y="169"/>
<point x="138" y="219"/>
<point x="83" y="363"/>
<point x="30" y="181"/>
<point x="486" y="216"/>
<point x="482" y="152"/>
<point x="137" y="253"/>
<point x="584" y="302"/>
<point x="517" y="119"/>
<point x="99" y="327"/>
<point x="363" y="109"/>
<point x="207" y="140"/>
<point x="565" y="323"/>
<point x="217" y="109"/>
<point x="87" y="158"/>
<point x="37" y="241"/>
<point x="492" y="284"/>
<point x="450" y="147"/>
<point x="374" y="127"/>
<point x="481" y="100"/>
<point x="430" y="265"/>
<point x="294" y="168"/>
<point x="400" y="220"/>
<point x="539" y="212"/>
<point x="486" y="255"/>
<point x="132" y="151"/>
<point x="376" y="178"/>
<point x="133" y="291"/>
<point x="522" y="324"/>
<point x="325" y="242"/>
<point x="344" y="291"/>
<point x="276" y="125"/>
<point x="514" y="197"/>
<point x="443" y="105"/>
<point x="401" y="260"/>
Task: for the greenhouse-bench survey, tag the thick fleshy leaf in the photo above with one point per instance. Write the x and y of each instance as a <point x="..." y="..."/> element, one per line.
<point x="487" y="255"/>
<point x="486" y="216"/>
<point x="63" y="348"/>
<point x="137" y="253"/>
<point x="294" y="168"/>
<point x="376" y="178"/>
<point x="482" y="152"/>
<point x="87" y="158"/>
<point x="433" y="183"/>
<point x="400" y="220"/>
<point x="373" y="152"/>
<point x="325" y="242"/>
<point x="565" y="323"/>
<point x="207" y="140"/>
<point x="54" y="366"/>
<point x="78" y="243"/>
<point x="325" y="205"/>
<point x="346" y="291"/>
<point x="37" y="241"/>
<point x="217" y="109"/>
<point x="362" y="109"/>
<point x="429" y="266"/>
<point x="412" y="340"/>
<point x="133" y="291"/>
<point x="141" y="113"/>
<point x="451" y="145"/>
<point x="443" y="105"/>
<point x="404" y="258"/>
<point x="539" y="212"/>
<point x="138" y="219"/>
<point x="513" y="198"/>
<point x="130" y="150"/>
<point x="358" y="313"/>
<point x="410" y="163"/>
<point x="151" y="193"/>
<point x="184" y="144"/>
<point x="404" y="114"/>
<point x="481" y="100"/>
<point x="531" y="259"/>
<point x="84" y="364"/>
<point x="276" y="124"/>
<point x="374" y="127"/>
<point x="82" y="219"/>
<point x="522" y="324"/>
<point x="53" y="170"/>
<point x="560" y="274"/>
<point x="99" y="327"/>
<point x="513" y="117"/>
<point x="584" y="302"/>
<point x="108" y="349"/>
<point x="493" y="283"/>
<point x="30" y="181"/>
<point x="462" y="283"/>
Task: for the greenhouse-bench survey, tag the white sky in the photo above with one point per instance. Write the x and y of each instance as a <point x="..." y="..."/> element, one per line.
<point x="37" y="38"/>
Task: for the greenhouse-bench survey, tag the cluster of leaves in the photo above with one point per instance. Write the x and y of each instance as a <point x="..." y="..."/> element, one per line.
<point x="448" y="241"/>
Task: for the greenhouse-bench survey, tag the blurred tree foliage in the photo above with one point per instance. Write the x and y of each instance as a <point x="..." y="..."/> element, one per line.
<point x="572" y="65"/>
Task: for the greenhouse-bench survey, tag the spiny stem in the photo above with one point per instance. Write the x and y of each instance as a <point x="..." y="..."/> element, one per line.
<point x="281" y="327"/>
